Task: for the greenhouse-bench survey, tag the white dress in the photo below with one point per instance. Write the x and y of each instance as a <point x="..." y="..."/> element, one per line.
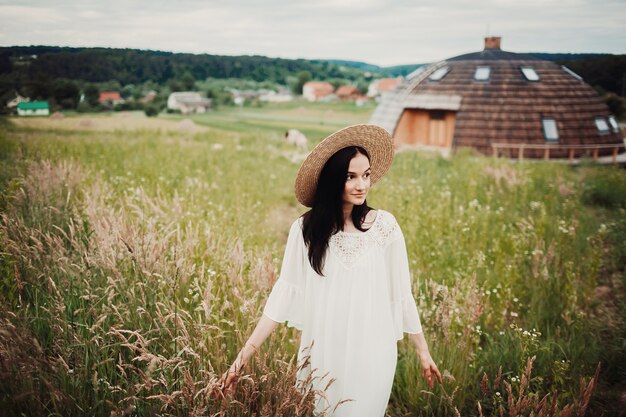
<point x="352" y="317"/>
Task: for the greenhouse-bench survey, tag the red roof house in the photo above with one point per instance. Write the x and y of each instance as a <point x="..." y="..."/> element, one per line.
<point x="348" y="92"/>
<point x="315" y="90"/>
<point x="110" y="97"/>
<point x="382" y="86"/>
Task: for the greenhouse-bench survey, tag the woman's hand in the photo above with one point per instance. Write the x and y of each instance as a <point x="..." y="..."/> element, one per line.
<point x="228" y="382"/>
<point x="429" y="369"/>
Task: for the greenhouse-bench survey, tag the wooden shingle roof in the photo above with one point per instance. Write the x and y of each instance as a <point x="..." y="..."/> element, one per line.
<point x="507" y="107"/>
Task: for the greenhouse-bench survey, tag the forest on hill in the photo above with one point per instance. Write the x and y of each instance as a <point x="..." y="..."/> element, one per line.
<point x="59" y="74"/>
<point x="62" y="74"/>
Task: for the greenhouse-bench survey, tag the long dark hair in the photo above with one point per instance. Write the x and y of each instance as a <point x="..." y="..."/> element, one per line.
<point x="326" y="215"/>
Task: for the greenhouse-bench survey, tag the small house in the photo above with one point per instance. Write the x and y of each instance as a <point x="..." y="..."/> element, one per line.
<point x="283" y="95"/>
<point x="188" y="102"/>
<point x="33" y="108"/>
<point x="149" y="97"/>
<point x="317" y="90"/>
<point x="348" y="93"/>
<point x="383" y="85"/>
<point x="110" y="98"/>
<point x="18" y="99"/>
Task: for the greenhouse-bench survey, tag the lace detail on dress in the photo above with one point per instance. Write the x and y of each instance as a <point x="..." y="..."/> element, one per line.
<point x="383" y="228"/>
<point x="348" y="247"/>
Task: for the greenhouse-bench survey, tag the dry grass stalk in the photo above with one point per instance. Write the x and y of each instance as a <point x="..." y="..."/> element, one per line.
<point x="526" y="402"/>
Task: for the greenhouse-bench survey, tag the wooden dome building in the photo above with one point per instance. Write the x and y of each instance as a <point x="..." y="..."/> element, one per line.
<point x="500" y="102"/>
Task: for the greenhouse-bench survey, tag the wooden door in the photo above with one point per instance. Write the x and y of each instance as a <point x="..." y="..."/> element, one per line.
<point x="425" y="127"/>
<point x="437" y="128"/>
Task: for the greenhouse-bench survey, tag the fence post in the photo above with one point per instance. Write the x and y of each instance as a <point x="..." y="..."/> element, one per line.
<point x="546" y="152"/>
<point x="615" y="154"/>
<point x="595" y="154"/>
<point x="571" y="154"/>
<point x="520" y="152"/>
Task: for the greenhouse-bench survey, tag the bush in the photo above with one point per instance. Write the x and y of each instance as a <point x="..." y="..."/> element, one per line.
<point x="606" y="189"/>
<point x="84" y="107"/>
<point x="129" y="106"/>
<point x="151" y="111"/>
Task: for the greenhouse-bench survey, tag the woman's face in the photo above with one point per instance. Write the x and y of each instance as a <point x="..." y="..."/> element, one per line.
<point x="357" y="180"/>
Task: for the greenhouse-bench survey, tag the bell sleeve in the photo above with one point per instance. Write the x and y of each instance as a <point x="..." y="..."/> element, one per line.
<point x="286" y="301"/>
<point x="404" y="310"/>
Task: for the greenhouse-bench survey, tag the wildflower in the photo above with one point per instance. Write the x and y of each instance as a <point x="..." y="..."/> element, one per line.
<point x="514" y="314"/>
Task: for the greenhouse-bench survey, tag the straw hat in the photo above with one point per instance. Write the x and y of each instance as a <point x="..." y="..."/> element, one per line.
<point x="374" y="139"/>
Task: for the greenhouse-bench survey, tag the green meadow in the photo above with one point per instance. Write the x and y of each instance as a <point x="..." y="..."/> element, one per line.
<point x="136" y="255"/>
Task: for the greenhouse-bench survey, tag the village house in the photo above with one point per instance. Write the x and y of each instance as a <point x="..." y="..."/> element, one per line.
<point x="149" y="97"/>
<point x="383" y="85"/>
<point x="188" y="102"/>
<point x="316" y="90"/>
<point x="110" y="98"/>
<point x="283" y="95"/>
<point x="18" y="99"/>
<point x="33" y="108"/>
<point x="241" y="96"/>
<point x="348" y="93"/>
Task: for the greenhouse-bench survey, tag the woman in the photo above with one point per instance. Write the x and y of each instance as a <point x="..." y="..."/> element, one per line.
<point x="344" y="280"/>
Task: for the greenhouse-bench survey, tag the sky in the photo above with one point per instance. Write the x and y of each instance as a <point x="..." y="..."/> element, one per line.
<point x="381" y="32"/>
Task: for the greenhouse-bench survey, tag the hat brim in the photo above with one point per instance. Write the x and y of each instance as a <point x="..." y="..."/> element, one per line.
<point x="374" y="139"/>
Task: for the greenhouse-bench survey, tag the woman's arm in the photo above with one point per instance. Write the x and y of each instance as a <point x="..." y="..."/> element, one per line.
<point x="261" y="332"/>
<point x="429" y="369"/>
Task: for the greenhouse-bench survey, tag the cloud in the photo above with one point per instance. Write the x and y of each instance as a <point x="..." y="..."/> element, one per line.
<point x="378" y="31"/>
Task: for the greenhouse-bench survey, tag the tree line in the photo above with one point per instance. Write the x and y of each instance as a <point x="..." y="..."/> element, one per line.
<point x="58" y="72"/>
<point x="62" y="74"/>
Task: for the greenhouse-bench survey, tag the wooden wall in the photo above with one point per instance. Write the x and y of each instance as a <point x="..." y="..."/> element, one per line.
<point x="425" y="127"/>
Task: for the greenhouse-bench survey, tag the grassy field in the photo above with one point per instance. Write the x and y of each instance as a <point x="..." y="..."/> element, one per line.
<point x="136" y="256"/>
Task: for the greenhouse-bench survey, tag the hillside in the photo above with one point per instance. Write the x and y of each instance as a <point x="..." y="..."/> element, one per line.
<point x="137" y="66"/>
<point x="62" y="73"/>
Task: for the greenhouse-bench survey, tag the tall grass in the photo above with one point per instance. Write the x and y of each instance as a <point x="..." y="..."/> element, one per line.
<point x="134" y="265"/>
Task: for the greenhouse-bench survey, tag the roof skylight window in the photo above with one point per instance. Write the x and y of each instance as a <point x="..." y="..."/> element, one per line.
<point x="439" y="74"/>
<point x="613" y="124"/>
<point x="572" y="73"/>
<point x="550" y="130"/>
<point x="601" y="124"/>
<point x="530" y="73"/>
<point x="482" y="73"/>
<point x="417" y="72"/>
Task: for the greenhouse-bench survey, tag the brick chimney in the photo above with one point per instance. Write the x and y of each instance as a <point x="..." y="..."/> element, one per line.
<point x="492" y="42"/>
